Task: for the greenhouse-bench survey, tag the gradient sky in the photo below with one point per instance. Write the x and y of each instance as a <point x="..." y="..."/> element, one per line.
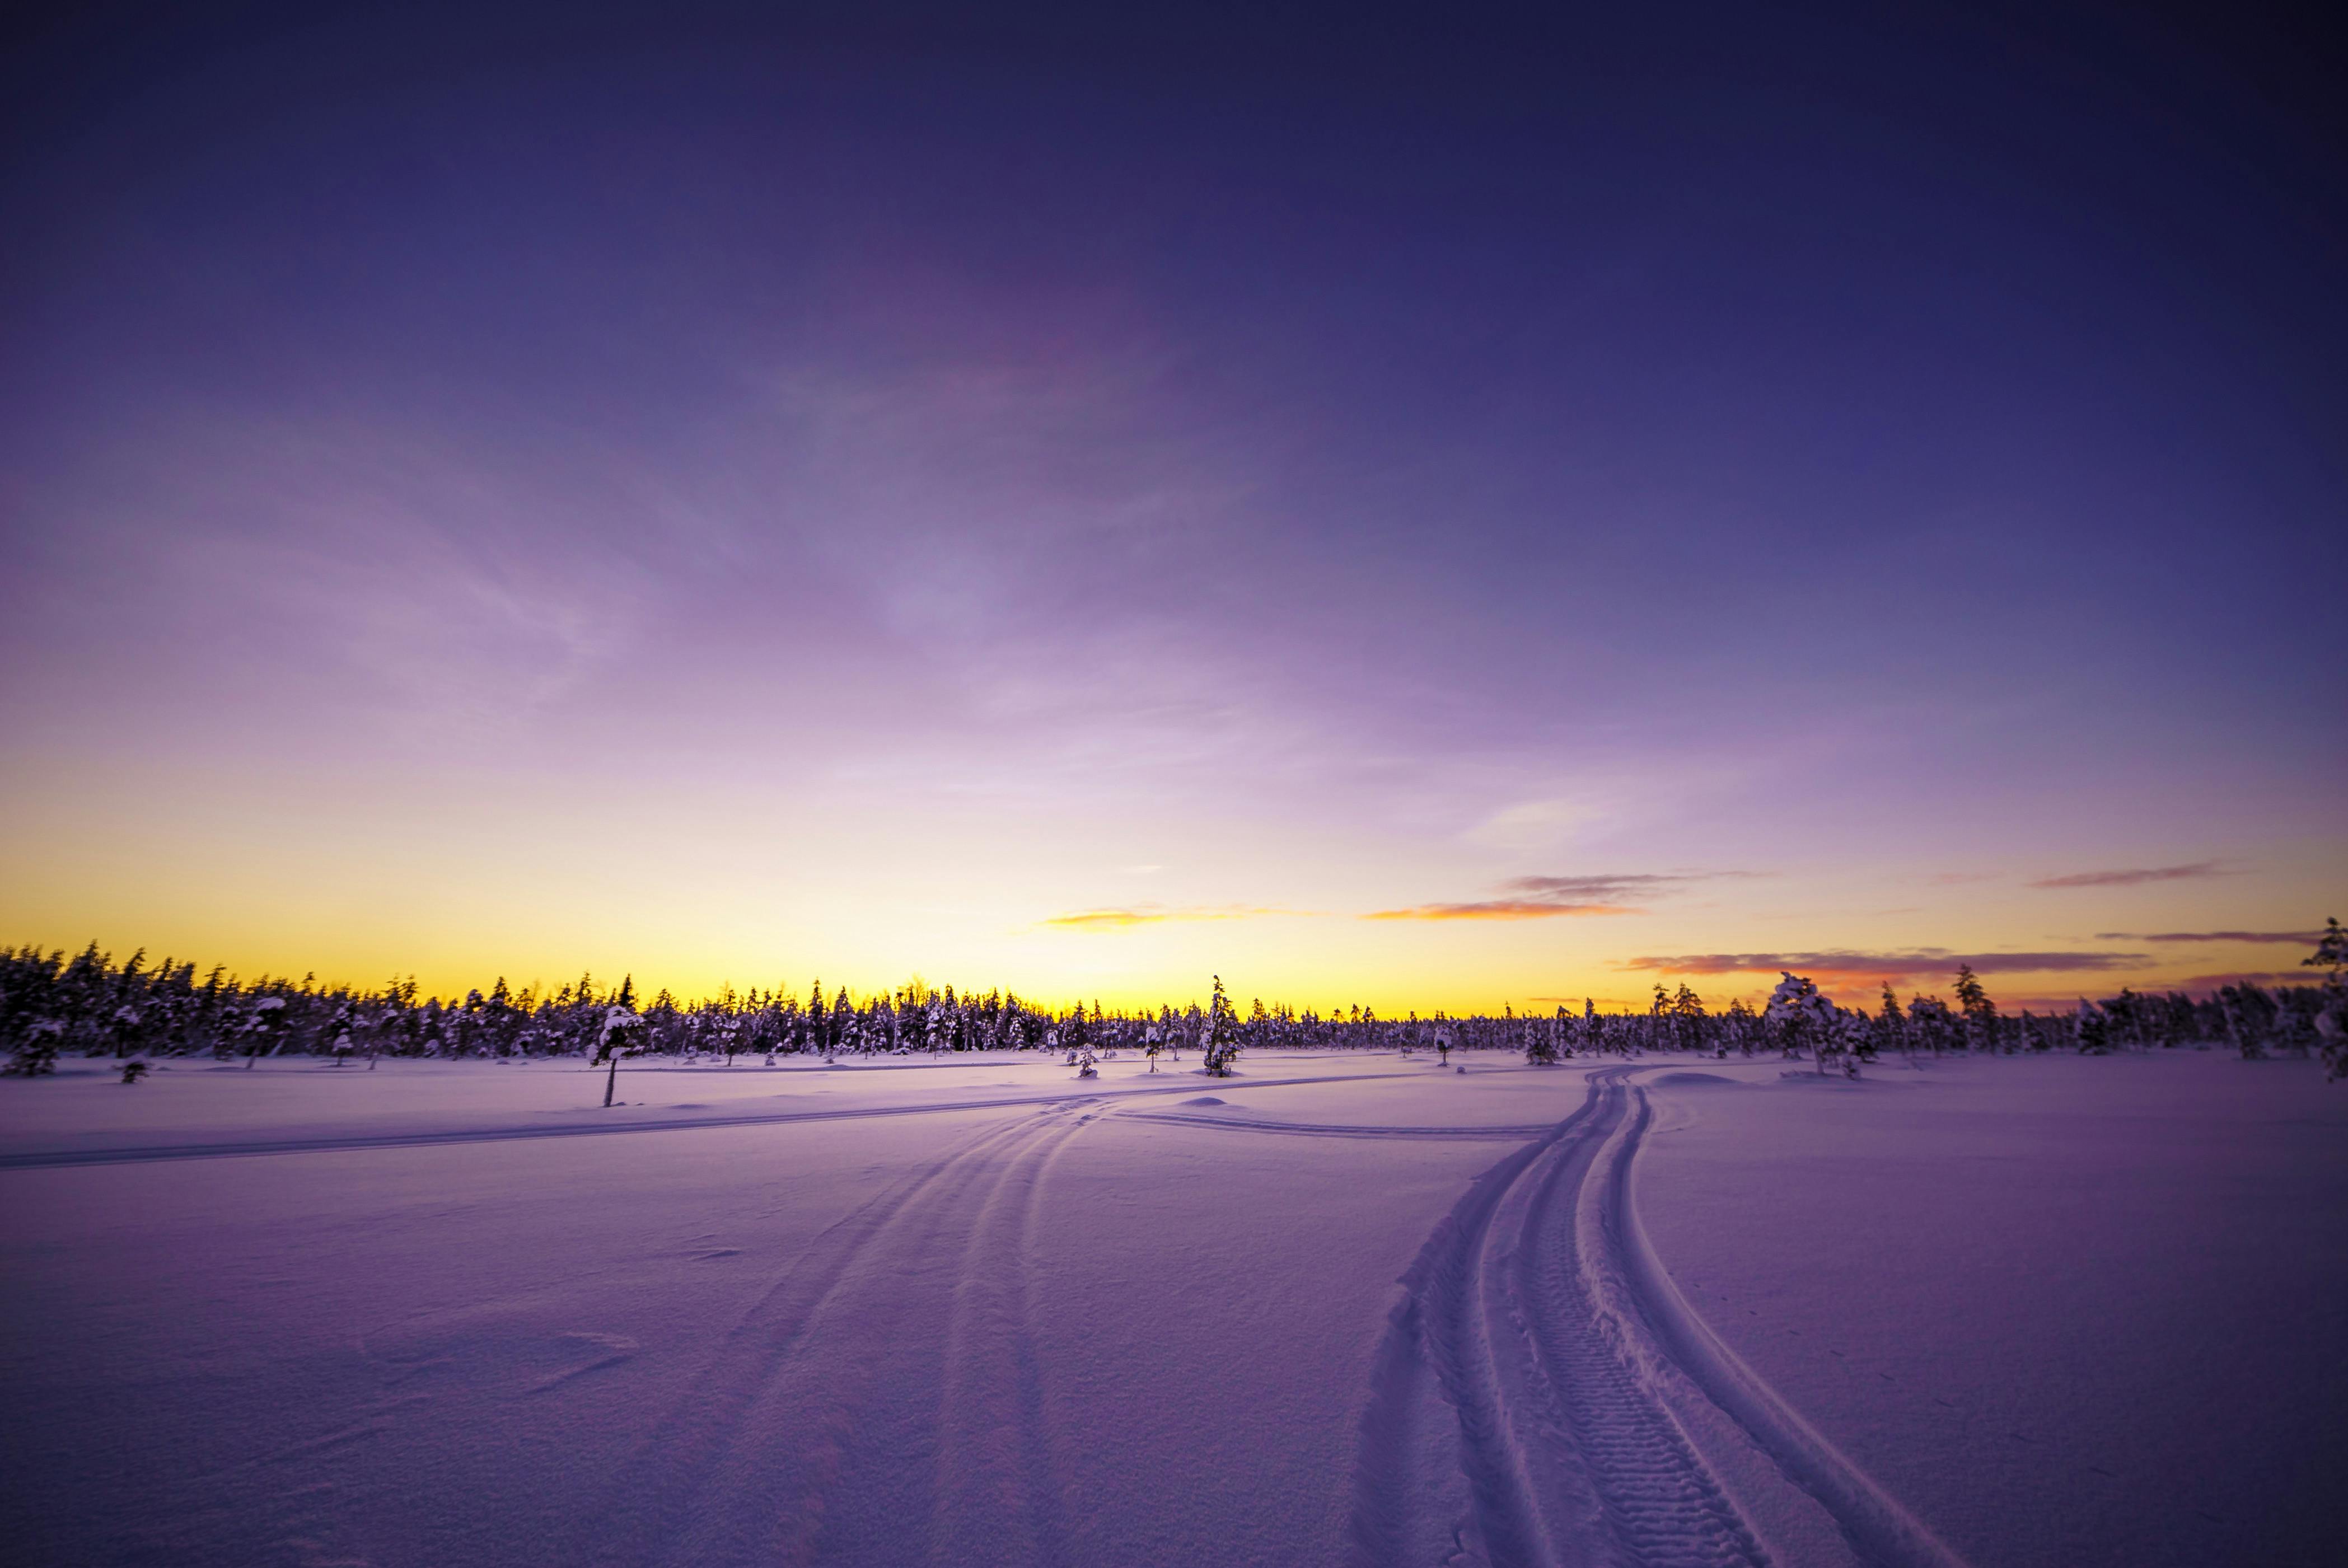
<point x="1434" y="512"/>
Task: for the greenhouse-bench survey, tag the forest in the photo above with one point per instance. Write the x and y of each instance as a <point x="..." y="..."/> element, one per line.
<point x="92" y="1006"/>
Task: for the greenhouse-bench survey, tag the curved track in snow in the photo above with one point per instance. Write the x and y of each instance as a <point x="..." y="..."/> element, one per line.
<point x="881" y="1402"/>
<point x="1545" y="1397"/>
<point x="356" y="1140"/>
<point x="1336" y="1129"/>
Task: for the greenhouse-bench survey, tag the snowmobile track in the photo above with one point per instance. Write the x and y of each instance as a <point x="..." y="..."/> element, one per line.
<point x="1545" y="1397"/>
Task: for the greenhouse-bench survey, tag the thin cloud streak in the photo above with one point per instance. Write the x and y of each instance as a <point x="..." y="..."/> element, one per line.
<point x="1541" y="897"/>
<point x="2134" y="878"/>
<point x="1850" y="962"/>
<point x="2294" y="938"/>
<point x="1120" y="919"/>
<point x="1500" y="909"/>
<point x="2246" y="978"/>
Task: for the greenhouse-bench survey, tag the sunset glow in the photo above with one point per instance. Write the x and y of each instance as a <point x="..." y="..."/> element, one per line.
<point x="802" y="508"/>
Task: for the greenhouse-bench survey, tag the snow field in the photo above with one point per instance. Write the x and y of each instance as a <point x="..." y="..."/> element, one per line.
<point x="1674" y="1312"/>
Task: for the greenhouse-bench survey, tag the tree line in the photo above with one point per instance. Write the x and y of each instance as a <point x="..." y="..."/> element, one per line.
<point x="91" y="1005"/>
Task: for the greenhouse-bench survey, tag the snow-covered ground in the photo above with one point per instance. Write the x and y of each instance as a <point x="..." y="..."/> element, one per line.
<point x="1339" y="1309"/>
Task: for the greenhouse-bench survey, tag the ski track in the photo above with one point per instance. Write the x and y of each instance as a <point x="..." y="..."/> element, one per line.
<point x="1533" y="1398"/>
<point x="881" y="1402"/>
<point x="344" y="1143"/>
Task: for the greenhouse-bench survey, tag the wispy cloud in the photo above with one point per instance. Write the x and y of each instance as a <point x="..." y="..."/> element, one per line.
<point x="2292" y="938"/>
<point x="1544" y="897"/>
<point x="2135" y="878"/>
<point x="1530" y="827"/>
<point x="1151" y="915"/>
<point x="1499" y="909"/>
<point x="2248" y="977"/>
<point x="1849" y="963"/>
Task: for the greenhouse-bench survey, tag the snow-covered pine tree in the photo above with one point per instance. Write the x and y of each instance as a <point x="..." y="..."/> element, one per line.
<point x="1930" y="1022"/>
<point x="1688" y="1019"/>
<point x="264" y="1026"/>
<point x="1980" y="1012"/>
<point x="621" y="1034"/>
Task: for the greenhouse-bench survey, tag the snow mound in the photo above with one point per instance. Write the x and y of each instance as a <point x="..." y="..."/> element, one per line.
<point x="1203" y="1099"/>
<point x="1694" y="1080"/>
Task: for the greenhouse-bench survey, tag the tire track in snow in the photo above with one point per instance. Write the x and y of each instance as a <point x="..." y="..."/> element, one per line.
<point x="1543" y="1396"/>
<point x="814" y="1434"/>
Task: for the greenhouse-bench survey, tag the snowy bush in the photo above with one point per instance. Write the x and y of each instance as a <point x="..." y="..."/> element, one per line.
<point x="37" y="1049"/>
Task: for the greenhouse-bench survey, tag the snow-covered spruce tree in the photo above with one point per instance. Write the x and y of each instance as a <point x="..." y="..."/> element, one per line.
<point x="2091" y="1030"/>
<point x="1219" y="1037"/>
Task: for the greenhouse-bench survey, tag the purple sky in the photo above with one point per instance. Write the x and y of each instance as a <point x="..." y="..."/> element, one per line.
<point x="1082" y="504"/>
